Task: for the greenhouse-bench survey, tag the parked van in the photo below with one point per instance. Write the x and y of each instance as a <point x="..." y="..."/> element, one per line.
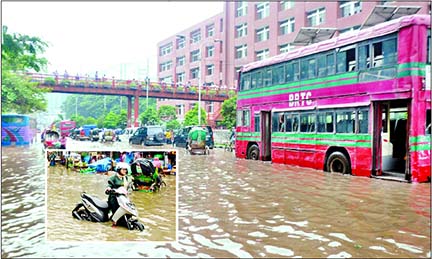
<point x="148" y="136"/>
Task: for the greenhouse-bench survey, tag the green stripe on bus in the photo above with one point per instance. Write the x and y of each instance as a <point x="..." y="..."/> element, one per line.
<point x="300" y="87"/>
<point x="248" y="134"/>
<point x="248" y="139"/>
<point x="419" y="139"/>
<point x="323" y="136"/>
<point x="342" y="80"/>
<point x="412" y="65"/>
<point x="302" y="83"/>
<point x="322" y="142"/>
<point x="423" y="147"/>
<point x="411" y="73"/>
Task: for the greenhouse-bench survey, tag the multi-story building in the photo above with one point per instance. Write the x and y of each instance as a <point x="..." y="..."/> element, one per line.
<point x="249" y="31"/>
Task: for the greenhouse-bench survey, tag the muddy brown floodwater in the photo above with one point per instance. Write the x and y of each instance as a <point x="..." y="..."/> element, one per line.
<point x="229" y="207"/>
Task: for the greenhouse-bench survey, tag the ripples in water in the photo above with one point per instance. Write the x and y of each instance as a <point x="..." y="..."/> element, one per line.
<point x="233" y="208"/>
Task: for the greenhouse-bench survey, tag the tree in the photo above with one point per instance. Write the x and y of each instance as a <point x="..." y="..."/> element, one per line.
<point x="111" y="120"/>
<point x="167" y="113"/>
<point x="149" y="116"/>
<point x="191" y="117"/>
<point x="19" y="54"/>
<point x="229" y="108"/>
<point x="79" y="120"/>
<point x="173" y="124"/>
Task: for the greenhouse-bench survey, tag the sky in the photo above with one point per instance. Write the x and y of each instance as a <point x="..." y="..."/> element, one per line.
<point x="114" y="38"/>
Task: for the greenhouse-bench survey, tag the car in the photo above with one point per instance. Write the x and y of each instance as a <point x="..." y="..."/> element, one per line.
<point x="94" y="134"/>
<point x="180" y="139"/>
<point x="148" y="136"/>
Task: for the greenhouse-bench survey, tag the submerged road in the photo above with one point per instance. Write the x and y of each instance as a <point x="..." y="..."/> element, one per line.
<point x="229" y="207"/>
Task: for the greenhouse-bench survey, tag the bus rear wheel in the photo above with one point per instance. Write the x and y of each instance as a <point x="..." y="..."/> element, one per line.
<point x="337" y="162"/>
<point x="253" y="152"/>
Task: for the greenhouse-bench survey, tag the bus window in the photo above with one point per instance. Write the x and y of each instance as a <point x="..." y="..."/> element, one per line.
<point x="304" y="64"/>
<point x="278" y="75"/>
<point x="389" y="51"/>
<point x="345" y="121"/>
<point x="377" y="54"/>
<point x="292" y="71"/>
<point x="246" y="118"/>
<point x="307" y="122"/>
<point x="239" y="118"/>
<point x="289" y="122"/>
<point x="331" y="68"/>
<point x="325" y="122"/>
<point x="428" y="122"/>
<point x="429" y="54"/>
<point x="267" y="77"/>
<point x="254" y="79"/>
<point x="257" y="122"/>
<point x="346" y="59"/>
<point x="364" y="57"/>
<point x="363" y="121"/>
<point x="312" y="70"/>
<point x="295" y="122"/>
<point x="246" y="80"/>
<point x="322" y="66"/>
<point x="275" y="121"/>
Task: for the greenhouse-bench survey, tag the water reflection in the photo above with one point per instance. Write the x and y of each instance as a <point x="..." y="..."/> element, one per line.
<point x="230" y="207"/>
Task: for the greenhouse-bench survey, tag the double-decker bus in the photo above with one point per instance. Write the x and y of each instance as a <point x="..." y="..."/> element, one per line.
<point x="17" y="129"/>
<point x="359" y="103"/>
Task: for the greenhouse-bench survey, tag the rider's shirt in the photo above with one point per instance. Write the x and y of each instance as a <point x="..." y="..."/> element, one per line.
<point x="115" y="182"/>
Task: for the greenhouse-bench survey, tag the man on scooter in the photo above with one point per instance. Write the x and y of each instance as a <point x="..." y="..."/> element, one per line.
<point x="118" y="180"/>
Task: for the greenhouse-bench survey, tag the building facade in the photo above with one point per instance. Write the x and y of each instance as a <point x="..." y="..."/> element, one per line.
<point x="214" y="50"/>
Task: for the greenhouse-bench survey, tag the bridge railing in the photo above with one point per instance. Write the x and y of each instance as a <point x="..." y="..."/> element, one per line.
<point x="107" y="83"/>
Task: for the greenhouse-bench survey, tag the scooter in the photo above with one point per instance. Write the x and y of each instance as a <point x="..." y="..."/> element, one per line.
<point x="94" y="209"/>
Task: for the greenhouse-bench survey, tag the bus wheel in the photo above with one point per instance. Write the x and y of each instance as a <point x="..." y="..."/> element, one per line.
<point x="338" y="163"/>
<point x="253" y="152"/>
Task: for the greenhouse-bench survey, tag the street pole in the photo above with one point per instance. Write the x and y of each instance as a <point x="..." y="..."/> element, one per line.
<point x="199" y="90"/>
<point x="147" y="83"/>
<point x="147" y="86"/>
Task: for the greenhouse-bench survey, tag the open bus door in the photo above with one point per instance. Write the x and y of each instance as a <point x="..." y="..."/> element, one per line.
<point x="390" y="140"/>
<point x="266" y="135"/>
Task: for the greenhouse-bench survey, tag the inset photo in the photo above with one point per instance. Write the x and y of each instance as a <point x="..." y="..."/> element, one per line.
<point x="111" y="195"/>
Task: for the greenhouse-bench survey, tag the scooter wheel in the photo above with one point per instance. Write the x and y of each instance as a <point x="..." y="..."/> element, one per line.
<point x="139" y="226"/>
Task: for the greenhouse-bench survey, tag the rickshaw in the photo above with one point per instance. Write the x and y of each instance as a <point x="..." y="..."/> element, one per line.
<point x="52" y="139"/>
<point x="196" y="142"/>
<point x="108" y="135"/>
<point x="145" y="177"/>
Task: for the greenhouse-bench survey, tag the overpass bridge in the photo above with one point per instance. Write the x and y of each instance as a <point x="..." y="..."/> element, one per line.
<point x="132" y="89"/>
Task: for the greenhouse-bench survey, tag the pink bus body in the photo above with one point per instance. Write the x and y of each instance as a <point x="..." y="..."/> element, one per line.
<point x="66" y="126"/>
<point x="359" y="103"/>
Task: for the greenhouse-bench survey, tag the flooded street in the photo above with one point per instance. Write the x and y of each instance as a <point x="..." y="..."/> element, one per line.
<point x="157" y="211"/>
<point x="227" y="208"/>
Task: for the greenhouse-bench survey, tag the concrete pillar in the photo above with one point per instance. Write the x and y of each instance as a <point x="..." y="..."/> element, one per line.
<point x="136" y="111"/>
<point x="129" y="111"/>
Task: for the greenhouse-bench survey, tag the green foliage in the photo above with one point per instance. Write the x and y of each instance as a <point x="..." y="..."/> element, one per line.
<point x="79" y="120"/>
<point x="111" y="120"/>
<point x="167" y="113"/>
<point x="149" y="116"/>
<point x="191" y="117"/>
<point x="173" y="124"/>
<point x="228" y="112"/>
<point x="93" y="105"/>
<point x="20" y="95"/>
<point x="20" y="53"/>
<point x="90" y="120"/>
